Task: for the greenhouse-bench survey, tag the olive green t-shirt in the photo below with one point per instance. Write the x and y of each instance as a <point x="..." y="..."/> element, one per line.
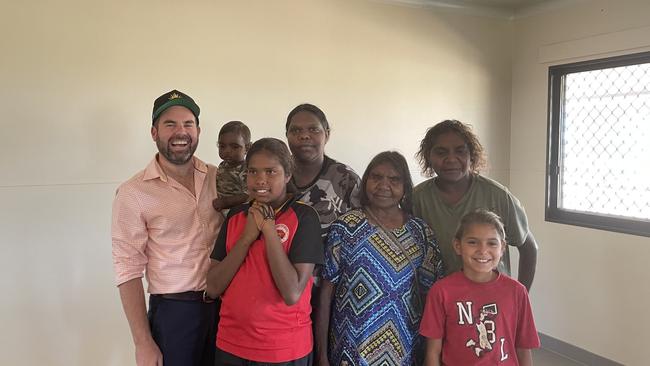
<point x="483" y="193"/>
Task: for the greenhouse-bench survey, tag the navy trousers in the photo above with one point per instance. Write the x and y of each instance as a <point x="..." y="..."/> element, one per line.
<point x="185" y="331"/>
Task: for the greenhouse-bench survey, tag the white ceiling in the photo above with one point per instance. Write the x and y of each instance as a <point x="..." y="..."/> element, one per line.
<point x="497" y="4"/>
<point x="497" y="8"/>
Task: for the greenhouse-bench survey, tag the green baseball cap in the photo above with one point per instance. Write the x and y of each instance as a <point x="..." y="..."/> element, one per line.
<point x="173" y="98"/>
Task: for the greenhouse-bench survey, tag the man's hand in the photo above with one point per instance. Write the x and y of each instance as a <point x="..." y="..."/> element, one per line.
<point x="148" y="354"/>
<point x="146" y="351"/>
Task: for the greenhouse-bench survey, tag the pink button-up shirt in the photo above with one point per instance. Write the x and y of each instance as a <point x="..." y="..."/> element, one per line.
<point x="160" y="228"/>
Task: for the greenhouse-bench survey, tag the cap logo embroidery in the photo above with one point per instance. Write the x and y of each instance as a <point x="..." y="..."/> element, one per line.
<point x="174" y="96"/>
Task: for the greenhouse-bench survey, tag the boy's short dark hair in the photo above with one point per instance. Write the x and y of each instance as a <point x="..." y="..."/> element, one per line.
<point x="237" y="127"/>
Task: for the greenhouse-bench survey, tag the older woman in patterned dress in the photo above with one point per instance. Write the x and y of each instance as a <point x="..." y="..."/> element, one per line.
<point x="380" y="261"/>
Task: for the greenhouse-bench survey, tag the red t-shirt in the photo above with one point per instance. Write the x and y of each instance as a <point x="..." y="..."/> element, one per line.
<point x="255" y="323"/>
<point x="479" y="323"/>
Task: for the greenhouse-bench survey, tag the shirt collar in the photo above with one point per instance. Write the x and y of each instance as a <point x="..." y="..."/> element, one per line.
<point x="154" y="170"/>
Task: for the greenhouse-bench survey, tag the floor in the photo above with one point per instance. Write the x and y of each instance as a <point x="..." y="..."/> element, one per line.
<point x="542" y="357"/>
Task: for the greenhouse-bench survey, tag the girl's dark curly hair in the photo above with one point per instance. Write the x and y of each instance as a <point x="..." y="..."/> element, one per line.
<point x="476" y="152"/>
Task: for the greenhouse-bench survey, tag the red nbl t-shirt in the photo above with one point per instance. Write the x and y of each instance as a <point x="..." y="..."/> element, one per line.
<point x="479" y="323"/>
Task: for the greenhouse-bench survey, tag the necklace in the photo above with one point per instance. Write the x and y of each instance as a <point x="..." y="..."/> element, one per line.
<point x="383" y="224"/>
<point x="277" y="210"/>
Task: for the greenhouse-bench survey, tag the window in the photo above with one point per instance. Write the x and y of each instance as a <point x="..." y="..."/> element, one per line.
<point x="598" y="165"/>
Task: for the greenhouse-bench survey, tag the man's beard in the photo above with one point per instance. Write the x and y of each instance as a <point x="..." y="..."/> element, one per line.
<point x="177" y="158"/>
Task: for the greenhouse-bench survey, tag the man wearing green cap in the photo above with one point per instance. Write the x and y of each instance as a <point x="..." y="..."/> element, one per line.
<point x="164" y="227"/>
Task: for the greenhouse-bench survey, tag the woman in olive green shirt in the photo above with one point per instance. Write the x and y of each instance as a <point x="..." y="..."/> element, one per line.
<point x="452" y="155"/>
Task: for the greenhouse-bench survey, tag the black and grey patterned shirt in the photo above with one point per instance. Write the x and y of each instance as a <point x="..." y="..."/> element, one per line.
<point x="335" y="191"/>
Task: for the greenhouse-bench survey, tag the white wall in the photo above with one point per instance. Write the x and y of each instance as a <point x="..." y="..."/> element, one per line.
<point x="78" y="81"/>
<point x="591" y="288"/>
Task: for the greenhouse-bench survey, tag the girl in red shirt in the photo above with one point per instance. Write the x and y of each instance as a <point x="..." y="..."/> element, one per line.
<point x="262" y="267"/>
<point x="478" y="316"/>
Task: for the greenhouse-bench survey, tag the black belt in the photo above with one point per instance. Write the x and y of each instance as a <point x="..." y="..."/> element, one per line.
<point x="182" y="296"/>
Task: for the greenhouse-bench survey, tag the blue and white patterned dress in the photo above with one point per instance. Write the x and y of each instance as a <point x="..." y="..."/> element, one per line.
<point x="376" y="314"/>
